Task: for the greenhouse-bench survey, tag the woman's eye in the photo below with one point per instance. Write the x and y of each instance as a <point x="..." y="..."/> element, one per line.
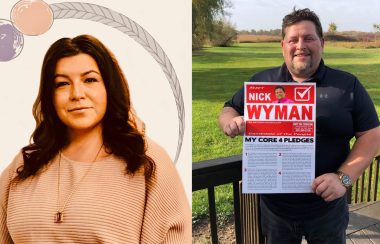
<point x="90" y="80"/>
<point x="61" y="83"/>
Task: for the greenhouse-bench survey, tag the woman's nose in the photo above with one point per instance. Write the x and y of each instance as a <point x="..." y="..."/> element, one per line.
<point x="77" y="91"/>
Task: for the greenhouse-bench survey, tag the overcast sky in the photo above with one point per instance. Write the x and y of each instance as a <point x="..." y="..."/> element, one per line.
<point x="358" y="15"/>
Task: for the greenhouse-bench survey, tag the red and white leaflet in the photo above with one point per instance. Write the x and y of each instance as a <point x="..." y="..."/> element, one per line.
<point x="279" y="140"/>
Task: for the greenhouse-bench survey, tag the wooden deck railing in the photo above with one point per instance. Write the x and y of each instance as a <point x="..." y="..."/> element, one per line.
<point x="210" y="173"/>
<point x="366" y="188"/>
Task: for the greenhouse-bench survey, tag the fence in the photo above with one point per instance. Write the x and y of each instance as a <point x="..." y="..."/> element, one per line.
<point x="210" y="173"/>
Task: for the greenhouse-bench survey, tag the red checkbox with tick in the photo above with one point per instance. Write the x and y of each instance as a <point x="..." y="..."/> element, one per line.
<point x="302" y="94"/>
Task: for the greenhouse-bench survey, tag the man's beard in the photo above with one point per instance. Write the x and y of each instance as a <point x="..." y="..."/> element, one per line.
<point x="301" y="68"/>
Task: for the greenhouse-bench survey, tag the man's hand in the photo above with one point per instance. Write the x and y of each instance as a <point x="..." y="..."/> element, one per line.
<point x="328" y="186"/>
<point x="231" y="122"/>
<point x="235" y="127"/>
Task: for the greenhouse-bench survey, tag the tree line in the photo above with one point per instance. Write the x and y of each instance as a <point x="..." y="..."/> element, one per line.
<point x="211" y="27"/>
<point x="271" y="32"/>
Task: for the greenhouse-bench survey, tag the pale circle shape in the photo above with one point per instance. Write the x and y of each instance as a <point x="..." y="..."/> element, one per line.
<point x="32" y="17"/>
<point x="11" y="41"/>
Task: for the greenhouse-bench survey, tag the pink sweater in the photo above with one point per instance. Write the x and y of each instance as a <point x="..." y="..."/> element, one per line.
<point x="107" y="207"/>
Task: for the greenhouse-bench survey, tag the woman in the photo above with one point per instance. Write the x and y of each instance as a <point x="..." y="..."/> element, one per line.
<point x="90" y="175"/>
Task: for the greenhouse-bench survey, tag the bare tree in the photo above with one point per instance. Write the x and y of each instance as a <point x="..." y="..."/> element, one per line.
<point x="377" y="29"/>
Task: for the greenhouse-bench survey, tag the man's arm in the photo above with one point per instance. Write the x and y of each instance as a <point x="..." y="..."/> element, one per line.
<point x="367" y="143"/>
<point x="231" y="122"/>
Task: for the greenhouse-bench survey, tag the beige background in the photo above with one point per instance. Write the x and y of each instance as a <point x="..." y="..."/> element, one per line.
<point x="168" y="21"/>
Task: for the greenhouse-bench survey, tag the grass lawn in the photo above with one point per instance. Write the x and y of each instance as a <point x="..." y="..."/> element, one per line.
<point x="219" y="72"/>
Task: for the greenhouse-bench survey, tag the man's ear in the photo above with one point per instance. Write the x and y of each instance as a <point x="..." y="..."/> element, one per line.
<point x="282" y="47"/>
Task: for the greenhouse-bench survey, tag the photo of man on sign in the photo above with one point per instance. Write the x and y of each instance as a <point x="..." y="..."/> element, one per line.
<point x="279" y="92"/>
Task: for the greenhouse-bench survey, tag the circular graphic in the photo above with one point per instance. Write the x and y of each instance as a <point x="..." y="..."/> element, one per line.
<point x="32" y="17"/>
<point x="35" y="17"/>
<point x="11" y="41"/>
<point x="93" y="12"/>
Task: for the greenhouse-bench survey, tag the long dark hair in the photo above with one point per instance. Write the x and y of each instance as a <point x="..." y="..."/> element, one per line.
<point x="121" y="135"/>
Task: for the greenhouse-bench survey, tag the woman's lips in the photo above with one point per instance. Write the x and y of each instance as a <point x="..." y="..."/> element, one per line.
<point x="78" y="109"/>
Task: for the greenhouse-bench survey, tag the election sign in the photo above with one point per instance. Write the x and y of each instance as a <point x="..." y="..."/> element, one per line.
<point x="279" y="140"/>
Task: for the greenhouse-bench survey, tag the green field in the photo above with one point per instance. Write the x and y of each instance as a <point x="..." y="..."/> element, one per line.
<point x="219" y="72"/>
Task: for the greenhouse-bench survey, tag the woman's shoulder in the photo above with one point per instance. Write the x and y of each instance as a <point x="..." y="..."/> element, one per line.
<point x="158" y="154"/>
<point x="164" y="167"/>
<point x="167" y="216"/>
<point x="11" y="170"/>
<point x="8" y="174"/>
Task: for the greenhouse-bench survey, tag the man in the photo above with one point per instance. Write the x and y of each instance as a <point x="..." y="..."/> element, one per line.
<point x="344" y="110"/>
<point x="279" y="92"/>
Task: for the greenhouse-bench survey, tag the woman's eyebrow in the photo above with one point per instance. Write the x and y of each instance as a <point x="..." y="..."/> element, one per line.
<point x="61" y="75"/>
<point x="83" y="74"/>
<point x="90" y="71"/>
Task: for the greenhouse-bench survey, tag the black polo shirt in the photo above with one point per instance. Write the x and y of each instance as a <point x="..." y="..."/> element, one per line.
<point x="343" y="108"/>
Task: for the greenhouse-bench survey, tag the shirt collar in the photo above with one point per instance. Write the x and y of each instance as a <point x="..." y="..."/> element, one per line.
<point x="317" y="77"/>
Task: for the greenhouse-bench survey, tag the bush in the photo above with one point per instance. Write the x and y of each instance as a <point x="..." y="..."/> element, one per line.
<point x="223" y="35"/>
<point x="197" y="42"/>
<point x="337" y="37"/>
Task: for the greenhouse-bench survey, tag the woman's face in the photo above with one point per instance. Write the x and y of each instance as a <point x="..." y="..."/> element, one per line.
<point x="80" y="97"/>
